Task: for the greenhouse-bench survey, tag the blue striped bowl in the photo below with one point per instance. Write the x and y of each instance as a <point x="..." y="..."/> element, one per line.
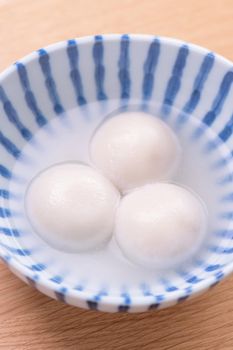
<point x="51" y="81"/>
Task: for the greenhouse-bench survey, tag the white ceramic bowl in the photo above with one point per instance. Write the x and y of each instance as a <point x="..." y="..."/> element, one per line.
<point x="45" y="85"/>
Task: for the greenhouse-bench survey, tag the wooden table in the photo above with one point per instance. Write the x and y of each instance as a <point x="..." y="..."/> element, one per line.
<point x="30" y="320"/>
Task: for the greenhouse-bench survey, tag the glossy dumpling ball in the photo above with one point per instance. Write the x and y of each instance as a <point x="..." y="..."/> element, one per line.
<point x="72" y="207"/>
<point x="135" y="148"/>
<point x="160" y="225"/>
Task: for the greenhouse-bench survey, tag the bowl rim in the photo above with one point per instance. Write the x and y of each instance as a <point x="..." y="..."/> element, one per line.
<point x="85" y="295"/>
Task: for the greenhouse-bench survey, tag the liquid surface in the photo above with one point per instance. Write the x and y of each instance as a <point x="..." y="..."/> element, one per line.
<point x="67" y="138"/>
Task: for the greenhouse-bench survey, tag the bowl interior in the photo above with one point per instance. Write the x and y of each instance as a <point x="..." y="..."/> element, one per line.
<point x="63" y="93"/>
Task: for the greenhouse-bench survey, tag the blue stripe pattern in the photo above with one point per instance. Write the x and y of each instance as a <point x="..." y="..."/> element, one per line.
<point x="217" y="104"/>
<point x="29" y="95"/>
<point x="38" y="267"/>
<point x="57" y="279"/>
<point x="219" y="275"/>
<point x="5" y="258"/>
<point x="211" y="268"/>
<point x="4" y="193"/>
<point x="227" y="130"/>
<point x="5" y="212"/>
<point x="32" y="280"/>
<point x="174" y="82"/>
<point x="223" y="161"/>
<point x="228" y="178"/>
<point x="79" y="287"/>
<point x="93" y="305"/>
<point x="219" y="100"/>
<point x="99" y="296"/>
<point x="13" y="115"/>
<point x="73" y="55"/>
<point x="199" y="82"/>
<point x="9" y="232"/>
<point x="228" y="215"/>
<point x="158" y="300"/>
<point x="228" y="197"/>
<point x="159" y="297"/>
<point x="4" y="172"/>
<point x="127" y="301"/>
<point x="194" y="279"/>
<point x="221" y="250"/>
<point x="145" y="289"/>
<point x="123" y="64"/>
<point x="126" y="297"/>
<point x="171" y="289"/>
<point x="149" y="69"/>
<point x="98" y="54"/>
<point x="60" y="294"/>
<point x="17" y="251"/>
<point x="224" y="233"/>
<point x="9" y="146"/>
<point x="50" y="82"/>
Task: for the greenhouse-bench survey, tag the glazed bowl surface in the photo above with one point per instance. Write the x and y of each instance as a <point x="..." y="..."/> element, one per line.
<point x="47" y="84"/>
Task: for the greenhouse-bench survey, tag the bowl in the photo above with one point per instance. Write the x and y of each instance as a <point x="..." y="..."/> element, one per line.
<point x="182" y="82"/>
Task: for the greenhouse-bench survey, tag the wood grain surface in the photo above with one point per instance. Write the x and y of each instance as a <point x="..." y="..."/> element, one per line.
<point x="30" y="320"/>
